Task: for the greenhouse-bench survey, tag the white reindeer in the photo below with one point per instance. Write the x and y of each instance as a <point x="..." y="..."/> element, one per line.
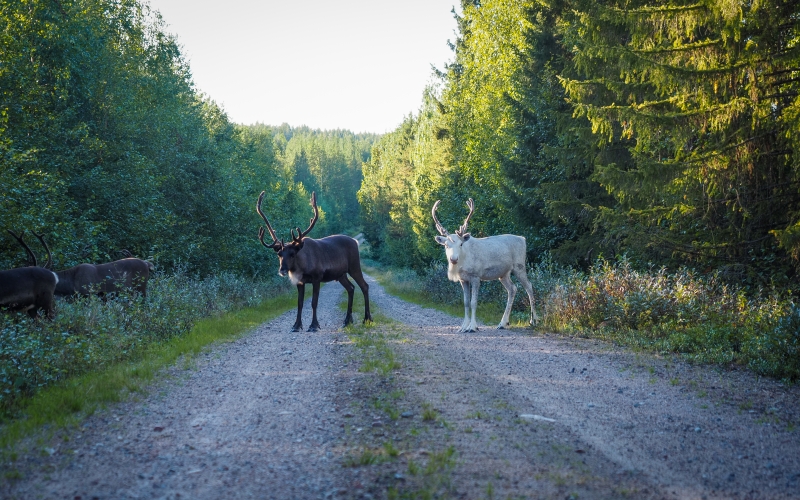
<point x="472" y="260"/>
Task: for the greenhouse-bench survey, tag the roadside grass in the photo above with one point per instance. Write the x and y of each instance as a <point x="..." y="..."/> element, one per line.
<point x="67" y="403"/>
<point x="91" y="334"/>
<point x="701" y="317"/>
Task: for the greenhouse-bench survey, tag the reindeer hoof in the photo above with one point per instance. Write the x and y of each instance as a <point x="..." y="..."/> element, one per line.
<point x="296" y="328"/>
<point x="501" y="327"/>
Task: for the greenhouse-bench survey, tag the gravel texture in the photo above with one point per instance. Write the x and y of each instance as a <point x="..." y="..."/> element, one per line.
<point x="520" y="413"/>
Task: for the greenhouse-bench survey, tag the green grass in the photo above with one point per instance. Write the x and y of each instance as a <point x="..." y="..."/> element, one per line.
<point x="376" y="352"/>
<point x="70" y="402"/>
<point x="387" y="402"/>
<point x="429" y="413"/>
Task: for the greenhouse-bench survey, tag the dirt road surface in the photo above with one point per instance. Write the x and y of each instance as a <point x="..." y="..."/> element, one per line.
<point x="494" y="414"/>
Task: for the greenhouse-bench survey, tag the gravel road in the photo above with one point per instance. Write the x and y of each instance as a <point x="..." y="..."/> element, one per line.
<point x="493" y="414"/>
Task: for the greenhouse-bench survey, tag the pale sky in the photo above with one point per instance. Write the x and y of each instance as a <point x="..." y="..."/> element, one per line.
<point x="360" y="65"/>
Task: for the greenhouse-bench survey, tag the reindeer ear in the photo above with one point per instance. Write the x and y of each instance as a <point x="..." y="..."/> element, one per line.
<point x="441" y="240"/>
<point x="466" y="236"/>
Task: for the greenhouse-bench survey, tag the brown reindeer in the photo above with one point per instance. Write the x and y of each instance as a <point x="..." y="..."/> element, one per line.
<point x="29" y="288"/>
<point x="315" y="261"/>
<point x="102" y="279"/>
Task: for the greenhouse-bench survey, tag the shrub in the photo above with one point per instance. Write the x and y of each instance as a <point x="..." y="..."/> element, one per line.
<point x="89" y="333"/>
<point x="703" y="317"/>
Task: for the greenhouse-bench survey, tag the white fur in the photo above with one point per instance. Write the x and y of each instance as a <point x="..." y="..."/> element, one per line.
<point x="472" y="260"/>
<point x="295" y="278"/>
<point x="54" y="274"/>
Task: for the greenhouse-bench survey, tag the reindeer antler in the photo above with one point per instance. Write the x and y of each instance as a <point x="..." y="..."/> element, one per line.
<point x="439" y="226"/>
<point x="463" y="229"/>
<point x="275" y="243"/>
<point x="32" y="262"/>
<point x="49" y="263"/>
<point x="312" y="222"/>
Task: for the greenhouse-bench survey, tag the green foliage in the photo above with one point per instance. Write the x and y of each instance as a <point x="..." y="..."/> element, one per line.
<point x="702" y="317"/>
<point x="700" y="97"/>
<point x="328" y="162"/>
<point x="105" y="144"/>
<point x="401" y="178"/>
<point x="663" y="131"/>
<point x="776" y="351"/>
<point x="90" y="334"/>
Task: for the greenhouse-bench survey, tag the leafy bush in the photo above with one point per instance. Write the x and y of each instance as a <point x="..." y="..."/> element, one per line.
<point x="89" y="333"/>
<point x="776" y="351"/>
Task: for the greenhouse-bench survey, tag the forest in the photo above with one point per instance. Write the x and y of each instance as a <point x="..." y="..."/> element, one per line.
<point x="647" y="151"/>
<point x="106" y="144"/>
<point x="666" y="131"/>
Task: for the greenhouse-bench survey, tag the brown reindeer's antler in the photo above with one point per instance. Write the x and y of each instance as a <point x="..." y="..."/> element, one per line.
<point x="439" y="226"/>
<point x="463" y="229"/>
<point x="312" y="222"/>
<point x="32" y="262"/>
<point x="49" y="263"/>
<point x="276" y="245"/>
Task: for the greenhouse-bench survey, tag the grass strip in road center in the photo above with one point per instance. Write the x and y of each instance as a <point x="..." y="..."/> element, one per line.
<point x="427" y="474"/>
<point x="76" y="398"/>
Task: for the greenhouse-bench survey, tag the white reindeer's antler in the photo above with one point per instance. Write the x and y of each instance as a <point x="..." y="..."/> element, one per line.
<point x="439" y="226"/>
<point x="463" y="229"/>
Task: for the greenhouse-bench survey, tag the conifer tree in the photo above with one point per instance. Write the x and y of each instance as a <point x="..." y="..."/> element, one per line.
<point x="706" y="93"/>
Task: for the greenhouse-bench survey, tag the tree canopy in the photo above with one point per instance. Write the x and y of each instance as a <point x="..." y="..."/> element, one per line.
<point x="106" y="144"/>
<point x="662" y="130"/>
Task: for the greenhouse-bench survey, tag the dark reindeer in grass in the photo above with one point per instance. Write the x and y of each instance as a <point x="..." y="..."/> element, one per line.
<point x="130" y="274"/>
<point x="29" y="288"/>
<point x="315" y="261"/>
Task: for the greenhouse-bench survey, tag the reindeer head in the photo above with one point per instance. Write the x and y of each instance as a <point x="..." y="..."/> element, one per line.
<point x="287" y="252"/>
<point x="452" y="242"/>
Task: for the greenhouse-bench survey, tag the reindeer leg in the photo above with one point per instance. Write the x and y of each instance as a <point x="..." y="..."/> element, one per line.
<point x="350" y="288"/>
<point x="33" y="311"/>
<point x="511" y="288"/>
<point x="522" y="276"/>
<point x="314" y="299"/>
<point x="362" y="284"/>
<point x="476" y="285"/>
<point x="301" y="296"/>
<point x="465" y="323"/>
